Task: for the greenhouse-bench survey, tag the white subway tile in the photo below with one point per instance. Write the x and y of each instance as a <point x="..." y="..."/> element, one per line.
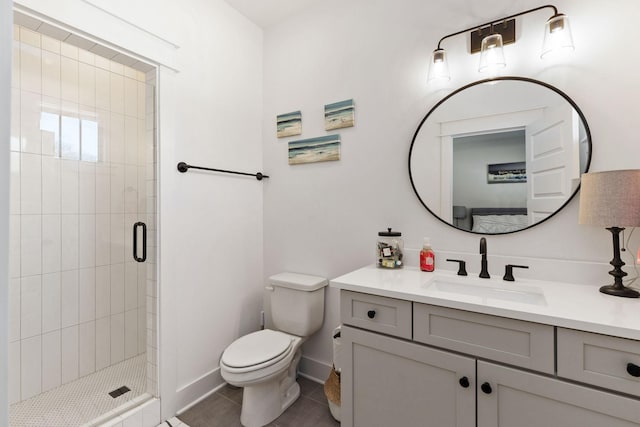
<point x="50" y="44"/>
<point x="51" y="301"/>
<point x="130" y="333"/>
<point x="117" y="288"/>
<point x="131" y="141"/>
<point x="69" y="51"/>
<point x="14" y="246"/>
<point x="129" y="220"/>
<point x="103" y="89"/>
<point x="116" y="67"/>
<point x="51" y="74"/>
<point x="31" y="367"/>
<point x="142" y="190"/>
<point x="30" y="37"/>
<point x="14" y="310"/>
<point x="30" y="134"/>
<point x="141" y="101"/>
<point x="117" y="238"/>
<point x="15" y="69"/>
<point x="130" y="286"/>
<point x="30" y="184"/>
<point x="14" y="372"/>
<point x="69" y="186"/>
<point x="103" y="239"/>
<point x="87" y="348"/>
<point x="69" y="78"/>
<point x="30" y="306"/>
<point x="117" y="338"/>
<point x="52" y="360"/>
<point x="51" y="243"/>
<point x="130" y="73"/>
<point x="30" y="245"/>
<point x="103" y="342"/>
<point x="87" y="83"/>
<point x="142" y="331"/>
<point x="87" y="187"/>
<point x="103" y="291"/>
<point x="87" y="295"/>
<point x="103" y="63"/>
<point x="87" y="241"/>
<point x="51" y="184"/>
<point x="142" y="284"/>
<point x="69" y="354"/>
<point x="69" y="298"/>
<point x="30" y="68"/>
<point x="116" y="138"/>
<point x="103" y="188"/>
<point x="117" y="93"/>
<point x="86" y="57"/>
<point x="131" y="189"/>
<point x="70" y="229"/>
<point x="130" y="97"/>
<point x="70" y="132"/>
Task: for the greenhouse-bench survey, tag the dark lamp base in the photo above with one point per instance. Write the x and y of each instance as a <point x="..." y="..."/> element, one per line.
<point x="620" y="291"/>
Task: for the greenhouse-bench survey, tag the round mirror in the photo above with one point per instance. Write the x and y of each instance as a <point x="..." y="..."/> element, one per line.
<point x="499" y="155"/>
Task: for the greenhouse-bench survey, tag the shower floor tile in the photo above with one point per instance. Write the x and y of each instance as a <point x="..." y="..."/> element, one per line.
<point x="86" y="399"/>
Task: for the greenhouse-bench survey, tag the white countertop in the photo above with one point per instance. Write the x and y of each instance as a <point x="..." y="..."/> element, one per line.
<point x="552" y="303"/>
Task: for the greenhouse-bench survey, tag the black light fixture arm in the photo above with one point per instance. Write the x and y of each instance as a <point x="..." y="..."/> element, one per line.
<point x="497" y="21"/>
<point x="183" y="167"/>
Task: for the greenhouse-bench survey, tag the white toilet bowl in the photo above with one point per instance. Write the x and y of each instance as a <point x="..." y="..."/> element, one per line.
<point x="265" y="364"/>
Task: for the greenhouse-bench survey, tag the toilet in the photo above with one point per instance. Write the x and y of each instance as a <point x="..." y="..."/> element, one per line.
<point x="265" y="362"/>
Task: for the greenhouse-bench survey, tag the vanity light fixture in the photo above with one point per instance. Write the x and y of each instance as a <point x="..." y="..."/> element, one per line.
<point x="612" y="199"/>
<point x="489" y="38"/>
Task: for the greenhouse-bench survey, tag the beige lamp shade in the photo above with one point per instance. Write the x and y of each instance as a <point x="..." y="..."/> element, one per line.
<point x="610" y="199"/>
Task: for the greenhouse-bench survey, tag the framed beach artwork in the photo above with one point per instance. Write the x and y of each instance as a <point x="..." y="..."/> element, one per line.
<point x="321" y="149"/>
<point x="339" y="115"/>
<point x="506" y="172"/>
<point x="289" y="124"/>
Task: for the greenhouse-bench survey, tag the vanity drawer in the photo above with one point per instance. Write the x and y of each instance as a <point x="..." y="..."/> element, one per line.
<point x="386" y="315"/>
<point x="516" y="342"/>
<point x="600" y="360"/>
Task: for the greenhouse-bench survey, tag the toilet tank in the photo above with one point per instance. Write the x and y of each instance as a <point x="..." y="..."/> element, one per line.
<point x="297" y="302"/>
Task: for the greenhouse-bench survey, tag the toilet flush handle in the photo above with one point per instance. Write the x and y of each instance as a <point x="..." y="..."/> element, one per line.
<point x="269" y="288"/>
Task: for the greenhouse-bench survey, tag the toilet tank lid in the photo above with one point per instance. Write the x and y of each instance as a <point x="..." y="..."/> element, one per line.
<point x="297" y="281"/>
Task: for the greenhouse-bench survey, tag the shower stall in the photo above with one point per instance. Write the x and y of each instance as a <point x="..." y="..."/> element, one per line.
<point x="83" y="290"/>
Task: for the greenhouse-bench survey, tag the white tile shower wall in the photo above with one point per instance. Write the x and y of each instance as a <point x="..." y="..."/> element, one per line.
<point x="81" y="141"/>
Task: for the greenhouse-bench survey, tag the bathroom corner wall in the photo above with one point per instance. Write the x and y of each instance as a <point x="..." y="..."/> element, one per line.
<point x="323" y="218"/>
<point x="78" y="182"/>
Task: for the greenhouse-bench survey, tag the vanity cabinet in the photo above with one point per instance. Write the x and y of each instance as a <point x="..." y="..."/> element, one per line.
<point x="460" y="368"/>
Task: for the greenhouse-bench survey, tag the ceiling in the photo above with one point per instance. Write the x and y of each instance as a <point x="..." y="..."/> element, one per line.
<point x="265" y="13"/>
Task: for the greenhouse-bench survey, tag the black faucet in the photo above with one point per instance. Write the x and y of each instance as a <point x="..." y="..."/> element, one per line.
<point x="484" y="272"/>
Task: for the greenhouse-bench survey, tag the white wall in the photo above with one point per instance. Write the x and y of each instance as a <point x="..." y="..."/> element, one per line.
<point x="6" y="26"/>
<point x="210" y="107"/>
<point x="323" y="218"/>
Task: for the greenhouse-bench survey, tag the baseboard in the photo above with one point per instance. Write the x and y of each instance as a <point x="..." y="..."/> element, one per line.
<point x="194" y="392"/>
<point x="314" y="370"/>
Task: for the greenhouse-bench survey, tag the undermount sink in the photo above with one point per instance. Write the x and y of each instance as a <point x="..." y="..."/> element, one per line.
<point x="487" y="289"/>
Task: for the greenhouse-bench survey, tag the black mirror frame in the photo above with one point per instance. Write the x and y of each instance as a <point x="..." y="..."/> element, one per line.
<point x="505" y="78"/>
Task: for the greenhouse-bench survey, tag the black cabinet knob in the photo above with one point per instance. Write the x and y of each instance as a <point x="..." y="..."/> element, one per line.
<point x="486" y="388"/>
<point x="464" y="382"/>
<point x="633" y="370"/>
<point x="371" y="314"/>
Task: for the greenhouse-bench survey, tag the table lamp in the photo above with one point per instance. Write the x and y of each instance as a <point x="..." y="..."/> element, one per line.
<point x="611" y="199"/>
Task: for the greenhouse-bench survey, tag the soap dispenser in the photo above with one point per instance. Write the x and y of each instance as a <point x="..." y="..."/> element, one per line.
<point x="427" y="257"/>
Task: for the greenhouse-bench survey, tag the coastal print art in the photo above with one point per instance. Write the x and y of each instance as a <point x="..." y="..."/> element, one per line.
<point x="339" y="115"/>
<point x="289" y="124"/>
<point x="321" y="149"/>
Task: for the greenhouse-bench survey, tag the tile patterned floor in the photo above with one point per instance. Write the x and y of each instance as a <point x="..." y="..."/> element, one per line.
<point x="86" y="399"/>
<point x="222" y="409"/>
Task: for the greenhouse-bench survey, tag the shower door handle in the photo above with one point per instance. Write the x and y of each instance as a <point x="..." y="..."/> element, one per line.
<point x="144" y="241"/>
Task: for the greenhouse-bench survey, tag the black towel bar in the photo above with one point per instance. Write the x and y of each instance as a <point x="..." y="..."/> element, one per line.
<point x="183" y="167"/>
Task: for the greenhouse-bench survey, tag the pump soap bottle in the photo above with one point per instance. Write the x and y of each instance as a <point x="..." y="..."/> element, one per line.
<point x="427" y="257"/>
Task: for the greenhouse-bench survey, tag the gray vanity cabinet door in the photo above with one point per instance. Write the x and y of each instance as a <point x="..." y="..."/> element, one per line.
<point x="523" y="399"/>
<point x="391" y="382"/>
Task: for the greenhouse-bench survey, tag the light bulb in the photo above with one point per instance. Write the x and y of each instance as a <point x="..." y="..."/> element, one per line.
<point x="491" y="54"/>
<point x="557" y="36"/>
<point x="438" y="67"/>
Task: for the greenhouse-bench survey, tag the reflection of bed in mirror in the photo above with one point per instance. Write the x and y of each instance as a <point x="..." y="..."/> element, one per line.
<point x="498" y="220"/>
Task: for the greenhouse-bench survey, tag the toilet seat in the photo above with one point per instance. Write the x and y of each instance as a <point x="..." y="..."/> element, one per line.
<point x="256" y="350"/>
